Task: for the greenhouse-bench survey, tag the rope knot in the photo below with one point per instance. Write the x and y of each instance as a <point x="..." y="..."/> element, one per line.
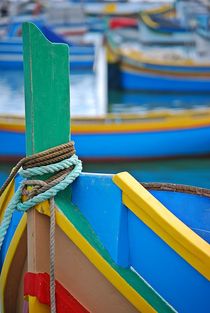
<point x="65" y="166"/>
<point x="60" y="161"/>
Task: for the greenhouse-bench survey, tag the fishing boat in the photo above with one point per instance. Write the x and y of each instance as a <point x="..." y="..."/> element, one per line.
<point x="83" y="54"/>
<point x="111" y="9"/>
<point x="125" y="8"/>
<point x="158" y="30"/>
<point x="160" y="134"/>
<point x="157" y="69"/>
<point x="115" y="245"/>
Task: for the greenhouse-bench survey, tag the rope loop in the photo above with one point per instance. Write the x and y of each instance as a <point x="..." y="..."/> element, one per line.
<point x="66" y="167"/>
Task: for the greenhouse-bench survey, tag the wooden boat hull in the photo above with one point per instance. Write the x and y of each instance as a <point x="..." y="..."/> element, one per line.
<point x="150" y="255"/>
<point x="147" y="81"/>
<point x="136" y="71"/>
<point x="121" y="138"/>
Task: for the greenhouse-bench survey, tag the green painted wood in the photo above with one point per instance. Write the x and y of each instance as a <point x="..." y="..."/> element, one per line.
<point x="46" y="75"/>
<point x="47" y="98"/>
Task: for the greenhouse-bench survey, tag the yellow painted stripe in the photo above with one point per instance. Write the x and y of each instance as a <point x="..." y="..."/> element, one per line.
<point x="110" y="8"/>
<point x="127" y="123"/>
<point x="6" y="197"/>
<point x="166" y="225"/>
<point x="148" y="20"/>
<point x="36" y="307"/>
<point x="143" y="58"/>
<point x="162" y="9"/>
<point x="9" y="257"/>
<point x="170" y="73"/>
<point x="98" y="261"/>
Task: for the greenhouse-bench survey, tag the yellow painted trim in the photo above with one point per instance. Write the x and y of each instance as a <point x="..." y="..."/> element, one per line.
<point x="170" y="73"/>
<point x="9" y="257"/>
<point x="110" y="8"/>
<point x="97" y="260"/>
<point x="154" y="121"/>
<point x="94" y="257"/>
<point x="165" y="224"/>
<point x="6" y="197"/>
<point x="143" y="58"/>
<point x="162" y="9"/>
<point x="148" y="20"/>
<point x="36" y="307"/>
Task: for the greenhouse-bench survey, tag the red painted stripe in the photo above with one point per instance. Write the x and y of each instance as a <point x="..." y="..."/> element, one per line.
<point x="119" y="22"/>
<point x="38" y="285"/>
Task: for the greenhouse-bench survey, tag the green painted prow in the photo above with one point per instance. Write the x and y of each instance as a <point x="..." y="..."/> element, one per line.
<point x="47" y="96"/>
<point x="46" y="75"/>
<point x="47" y="107"/>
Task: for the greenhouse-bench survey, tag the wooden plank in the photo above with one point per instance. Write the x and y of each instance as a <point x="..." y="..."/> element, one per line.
<point x="46" y="75"/>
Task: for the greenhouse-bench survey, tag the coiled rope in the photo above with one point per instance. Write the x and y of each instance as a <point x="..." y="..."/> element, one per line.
<point x="60" y="160"/>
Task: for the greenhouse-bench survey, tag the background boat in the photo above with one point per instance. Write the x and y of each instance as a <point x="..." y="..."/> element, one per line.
<point x="83" y="55"/>
<point x="158" y="30"/>
<point x="147" y="136"/>
<point x="141" y="68"/>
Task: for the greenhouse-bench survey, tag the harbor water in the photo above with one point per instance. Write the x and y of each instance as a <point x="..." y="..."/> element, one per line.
<point x="85" y="100"/>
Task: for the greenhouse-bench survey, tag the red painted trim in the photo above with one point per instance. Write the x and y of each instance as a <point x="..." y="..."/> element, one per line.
<point x="38" y="285"/>
<point x="119" y="22"/>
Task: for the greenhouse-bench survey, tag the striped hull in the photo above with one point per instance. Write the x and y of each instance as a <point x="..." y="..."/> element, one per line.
<point x="77" y="63"/>
<point x="109" y="146"/>
<point x="81" y="57"/>
<point x="138" y="72"/>
<point x="137" y="80"/>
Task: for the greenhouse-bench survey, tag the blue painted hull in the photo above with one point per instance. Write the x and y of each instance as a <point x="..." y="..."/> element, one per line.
<point x="75" y="67"/>
<point x="11" y="48"/>
<point x="132" y="244"/>
<point x="157" y="144"/>
<point x="138" y="72"/>
<point x="81" y="56"/>
<point x="150" y="81"/>
<point x="164" y="269"/>
<point x="16" y="63"/>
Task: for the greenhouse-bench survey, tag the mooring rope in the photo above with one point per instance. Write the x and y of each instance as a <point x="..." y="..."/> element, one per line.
<point x="60" y="160"/>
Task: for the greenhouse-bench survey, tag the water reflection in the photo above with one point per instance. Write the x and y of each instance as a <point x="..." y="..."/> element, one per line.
<point x="195" y="172"/>
<point x="132" y="102"/>
<point x="82" y="93"/>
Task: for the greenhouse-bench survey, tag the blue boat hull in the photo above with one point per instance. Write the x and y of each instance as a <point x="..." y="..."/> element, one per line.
<point x="81" y="56"/>
<point x="140" y="145"/>
<point x="148" y="81"/>
<point x="75" y="66"/>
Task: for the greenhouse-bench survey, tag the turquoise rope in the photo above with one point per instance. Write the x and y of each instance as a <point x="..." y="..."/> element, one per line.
<point x="16" y="203"/>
